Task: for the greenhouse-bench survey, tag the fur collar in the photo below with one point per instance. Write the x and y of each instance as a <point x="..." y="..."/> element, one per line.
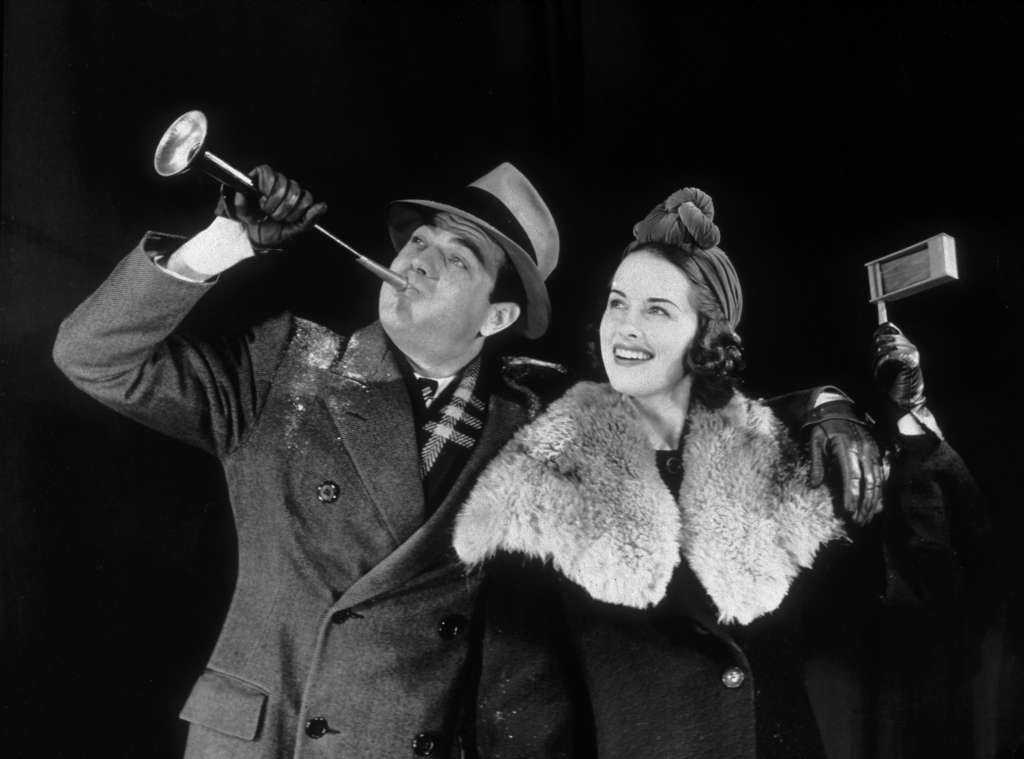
<point x="579" y="487"/>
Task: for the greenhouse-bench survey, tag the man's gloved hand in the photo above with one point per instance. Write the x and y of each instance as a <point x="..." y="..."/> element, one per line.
<point x="896" y="368"/>
<point x="285" y="210"/>
<point x="841" y="439"/>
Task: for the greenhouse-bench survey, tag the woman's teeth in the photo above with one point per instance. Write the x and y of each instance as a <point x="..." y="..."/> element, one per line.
<point x="632" y="355"/>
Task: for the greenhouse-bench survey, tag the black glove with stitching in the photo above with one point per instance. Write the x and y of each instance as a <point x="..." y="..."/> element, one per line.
<point x="896" y="367"/>
<point x="841" y="439"/>
<point x="284" y="210"/>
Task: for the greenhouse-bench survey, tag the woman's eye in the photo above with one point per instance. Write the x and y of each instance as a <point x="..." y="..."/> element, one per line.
<point x="658" y="310"/>
<point x="417" y="241"/>
<point x="456" y="261"/>
<point x="616" y="303"/>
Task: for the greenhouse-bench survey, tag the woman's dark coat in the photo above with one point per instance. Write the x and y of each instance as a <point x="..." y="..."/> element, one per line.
<point x="621" y="622"/>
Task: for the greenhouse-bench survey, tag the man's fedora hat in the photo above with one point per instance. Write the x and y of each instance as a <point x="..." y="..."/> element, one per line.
<point x="507" y="207"/>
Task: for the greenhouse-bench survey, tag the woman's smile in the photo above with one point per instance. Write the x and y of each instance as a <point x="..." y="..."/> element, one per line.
<point x="626" y="356"/>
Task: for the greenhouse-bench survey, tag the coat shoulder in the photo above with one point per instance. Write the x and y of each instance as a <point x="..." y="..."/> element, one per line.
<point x="536" y="382"/>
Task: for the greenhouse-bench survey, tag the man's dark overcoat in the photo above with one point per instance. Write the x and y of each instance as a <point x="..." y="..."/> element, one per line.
<point x="347" y="632"/>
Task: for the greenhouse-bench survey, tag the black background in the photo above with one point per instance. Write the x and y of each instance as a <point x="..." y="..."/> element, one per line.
<point x="827" y="137"/>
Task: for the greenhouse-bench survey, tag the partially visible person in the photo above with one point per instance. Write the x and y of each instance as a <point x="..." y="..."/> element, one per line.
<point x="664" y="581"/>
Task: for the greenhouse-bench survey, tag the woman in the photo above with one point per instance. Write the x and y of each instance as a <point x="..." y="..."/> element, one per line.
<point x="663" y="581"/>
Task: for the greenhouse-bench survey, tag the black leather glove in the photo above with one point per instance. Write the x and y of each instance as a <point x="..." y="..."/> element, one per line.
<point x="896" y="367"/>
<point x="841" y="439"/>
<point x="284" y="210"/>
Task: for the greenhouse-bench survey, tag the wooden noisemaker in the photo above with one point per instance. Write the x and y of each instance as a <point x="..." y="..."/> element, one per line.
<point x="911" y="270"/>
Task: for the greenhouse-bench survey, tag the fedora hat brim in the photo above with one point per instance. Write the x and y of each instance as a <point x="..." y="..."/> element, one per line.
<point x="407" y="214"/>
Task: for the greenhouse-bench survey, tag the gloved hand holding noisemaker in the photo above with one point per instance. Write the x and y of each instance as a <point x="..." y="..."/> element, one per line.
<point x="896" y="368"/>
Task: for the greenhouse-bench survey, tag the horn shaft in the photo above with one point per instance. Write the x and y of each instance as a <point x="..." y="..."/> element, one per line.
<point x="183" y="146"/>
<point x="216" y="167"/>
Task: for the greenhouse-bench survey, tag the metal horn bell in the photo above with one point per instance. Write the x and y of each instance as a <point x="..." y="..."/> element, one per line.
<point x="180" y="144"/>
<point x="183" y="146"/>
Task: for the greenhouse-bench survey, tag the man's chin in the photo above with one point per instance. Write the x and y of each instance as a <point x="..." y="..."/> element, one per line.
<point x="401" y="330"/>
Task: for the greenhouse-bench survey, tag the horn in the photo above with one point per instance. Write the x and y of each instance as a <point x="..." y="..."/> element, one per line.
<point x="183" y="146"/>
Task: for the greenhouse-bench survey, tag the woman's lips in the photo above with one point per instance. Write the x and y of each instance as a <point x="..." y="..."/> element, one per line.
<point x="631" y="355"/>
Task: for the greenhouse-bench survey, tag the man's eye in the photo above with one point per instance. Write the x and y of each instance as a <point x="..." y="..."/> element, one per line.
<point x="417" y="241"/>
<point x="456" y="261"/>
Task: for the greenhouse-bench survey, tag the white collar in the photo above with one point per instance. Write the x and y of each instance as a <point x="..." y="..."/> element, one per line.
<point x="442" y="383"/>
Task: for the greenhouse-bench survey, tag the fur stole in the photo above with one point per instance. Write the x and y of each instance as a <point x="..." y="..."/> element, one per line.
<point x="579" y="487"/>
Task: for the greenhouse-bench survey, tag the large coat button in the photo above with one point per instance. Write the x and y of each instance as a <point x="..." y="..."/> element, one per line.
<point x="451" y="627"/>
<point x="426" y="744"/>
<point x="327" y="492"/>
<point x="733" y="677"/>
<point x="317" y="728"/>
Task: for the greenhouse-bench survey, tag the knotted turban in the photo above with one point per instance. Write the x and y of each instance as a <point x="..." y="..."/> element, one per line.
<point x="686" y="220"/>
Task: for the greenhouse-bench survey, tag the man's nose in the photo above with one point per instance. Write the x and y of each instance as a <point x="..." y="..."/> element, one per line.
<point x="424" y="261"/>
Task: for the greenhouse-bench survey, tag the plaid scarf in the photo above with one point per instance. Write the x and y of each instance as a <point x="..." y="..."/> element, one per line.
<point x="455" y="424"/>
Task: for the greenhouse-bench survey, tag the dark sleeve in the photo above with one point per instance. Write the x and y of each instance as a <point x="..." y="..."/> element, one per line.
<point x="528" y="699"/>
<point x="797" y="409"/>
<point x="118" y="347"/>
<point x="940" y="624"/>
<point x="938" y="539"/>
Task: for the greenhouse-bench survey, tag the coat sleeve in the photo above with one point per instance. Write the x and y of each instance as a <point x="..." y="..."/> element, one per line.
<point x="797" y="409"/>
<point x="937" y="534"/>
<point x="119" y="347"/>
<point x="940" y="624"/>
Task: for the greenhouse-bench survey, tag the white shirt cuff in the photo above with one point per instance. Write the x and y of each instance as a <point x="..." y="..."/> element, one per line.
<point x="918" y="422"/>
<point x="826" y="396"/>
<point x="218" y="247"/>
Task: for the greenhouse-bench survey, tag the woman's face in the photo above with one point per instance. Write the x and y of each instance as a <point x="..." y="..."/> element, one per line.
<point x="647" y="327"/>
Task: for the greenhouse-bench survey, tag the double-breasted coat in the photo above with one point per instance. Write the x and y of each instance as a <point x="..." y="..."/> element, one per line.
<point x="347" y="632"/>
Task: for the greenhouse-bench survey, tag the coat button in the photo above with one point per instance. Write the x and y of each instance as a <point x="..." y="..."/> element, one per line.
<point x="426" y="744"/>
<point x="317" y="728"/>
<point x="451" y="627"/>
<point x="327" y="491"/>
<point x="733" y="677"/>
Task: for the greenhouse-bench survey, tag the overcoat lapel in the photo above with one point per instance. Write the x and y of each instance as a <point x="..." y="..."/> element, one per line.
<point x="431" y="544"/>
<point x="374" y="418"/>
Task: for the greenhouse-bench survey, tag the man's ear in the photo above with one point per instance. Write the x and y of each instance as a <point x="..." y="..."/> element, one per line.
<point x="500" y="316"/>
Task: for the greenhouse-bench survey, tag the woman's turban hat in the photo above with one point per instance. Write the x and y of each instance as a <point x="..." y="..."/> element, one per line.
<point x="686" y="220"/>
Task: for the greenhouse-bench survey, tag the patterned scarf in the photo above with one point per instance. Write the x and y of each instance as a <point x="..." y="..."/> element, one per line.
<point x="454" y="424"/>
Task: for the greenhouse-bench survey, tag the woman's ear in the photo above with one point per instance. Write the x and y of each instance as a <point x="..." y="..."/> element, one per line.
<point x="500" y="316"/>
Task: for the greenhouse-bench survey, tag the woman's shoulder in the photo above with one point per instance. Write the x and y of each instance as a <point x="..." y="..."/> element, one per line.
<point x="586" y="411"/>
<point x="585" y="394"/>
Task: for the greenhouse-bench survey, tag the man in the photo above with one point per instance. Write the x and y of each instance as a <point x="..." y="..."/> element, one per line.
<point x="346" y="458"/>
